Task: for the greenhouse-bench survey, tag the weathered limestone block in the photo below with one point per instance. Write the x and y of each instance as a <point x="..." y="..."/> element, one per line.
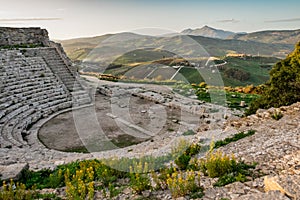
<point x="13" y="171"/>
<point x="288" y="185"/>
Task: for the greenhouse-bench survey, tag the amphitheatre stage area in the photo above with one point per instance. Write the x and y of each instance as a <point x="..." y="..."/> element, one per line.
<point x="127" y="114"/>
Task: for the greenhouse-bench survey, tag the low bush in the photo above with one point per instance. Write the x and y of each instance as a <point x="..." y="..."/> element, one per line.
<point x="277" y="115"/>
<point x="217" y="164"/>
<point x="183" y="160"/>
<point x="80" y="185"/>
<point x="139" y="179"/>
<point x="234" y="138"/>
<point x="16" y="191"/>
<point x="181" y="184"/>
<point x="189" y="132"/>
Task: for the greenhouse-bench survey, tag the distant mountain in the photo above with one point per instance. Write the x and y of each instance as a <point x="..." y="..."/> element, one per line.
<point x="274" y="37"/>
<point x="207" y="31"/>
<point x="109" y="47"/>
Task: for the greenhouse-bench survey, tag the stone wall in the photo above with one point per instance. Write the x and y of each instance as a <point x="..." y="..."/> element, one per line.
<point x="19" y="36"/>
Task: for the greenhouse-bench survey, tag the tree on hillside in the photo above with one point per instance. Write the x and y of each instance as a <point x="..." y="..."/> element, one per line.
<point x="237" y="74"/>
<point x="283" y="87"/>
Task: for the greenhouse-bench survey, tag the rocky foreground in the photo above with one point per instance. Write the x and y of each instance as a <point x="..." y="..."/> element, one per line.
<point x="275" y="147"/>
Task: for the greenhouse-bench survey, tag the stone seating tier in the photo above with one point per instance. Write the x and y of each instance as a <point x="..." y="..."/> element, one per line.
<point x="35" y="83"/>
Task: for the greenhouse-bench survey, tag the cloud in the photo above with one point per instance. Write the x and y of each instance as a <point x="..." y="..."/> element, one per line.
<point x="60" y="9"/>
<point x="283" y="20"/>
<point x="228" y="21"/>
<point x="29" y="19"/>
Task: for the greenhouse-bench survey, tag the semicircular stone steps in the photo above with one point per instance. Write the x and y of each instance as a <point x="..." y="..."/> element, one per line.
<point x="35" y="83"/>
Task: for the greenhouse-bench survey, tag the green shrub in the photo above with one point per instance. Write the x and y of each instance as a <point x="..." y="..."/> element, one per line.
<point x="40" y="179"/>
<point x="139" y="179"/>
<point x="234" y="138"/>
<point x="217" y="164"/>
<point x="193" y="149"/>
<point x="183" y="161"/>
<point x="161" y="178"/>
<point x="226" y="168"/>
<point x="139" y="182"/>
<point x="179" y="148"/>
<point x="277" y="115"/>
<point x="230" y="178"/>
<point x="189" y="132"/>
<point x="283" y="87"/>
<point x="181" y="184"/>
<point x="16" y="191"/>
<point x="56" y="179"/>
<point x="81" y="184"/>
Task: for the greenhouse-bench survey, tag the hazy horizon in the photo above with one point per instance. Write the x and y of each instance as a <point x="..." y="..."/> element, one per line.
<point x="66" y="19"/>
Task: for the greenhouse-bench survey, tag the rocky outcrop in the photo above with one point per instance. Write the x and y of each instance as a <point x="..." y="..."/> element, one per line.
<point x="13" y="171"/>
<point x="275" y="147"/>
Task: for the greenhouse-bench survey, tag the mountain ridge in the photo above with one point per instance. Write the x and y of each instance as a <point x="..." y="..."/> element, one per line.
<point x="270" y="36"/>
<point x="79" y="48"/>
<point x="207" y="31"/>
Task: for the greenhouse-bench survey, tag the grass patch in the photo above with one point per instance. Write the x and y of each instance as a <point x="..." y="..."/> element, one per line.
<point x="234" y="138"/>
<point x="189" y="132"/>
<point x="277" y="115"/>
<point x="126" y="140"/>
<point x="218" y="96"/>
<point x="224" y="167"/>
<point x="234" y="99"/>
<point x="239" y="174"/>
<point x="80" y="149"/>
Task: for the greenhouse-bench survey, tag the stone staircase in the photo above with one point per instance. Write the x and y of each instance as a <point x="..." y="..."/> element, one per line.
<point x="63" y="72"/>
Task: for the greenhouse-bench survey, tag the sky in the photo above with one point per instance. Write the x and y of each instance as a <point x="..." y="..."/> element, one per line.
<point x="65" y="19"/>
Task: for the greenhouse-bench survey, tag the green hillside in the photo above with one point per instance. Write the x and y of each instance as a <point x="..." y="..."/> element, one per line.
<point x="110" y="47"/>
<point x="219" y="47"/>
<point x="257" y="69"/>
<point x="124" y="53"/>
<point x="275" y="37"/>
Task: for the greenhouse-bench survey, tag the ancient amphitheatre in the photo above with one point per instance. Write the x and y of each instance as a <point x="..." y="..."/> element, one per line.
<point x="39" y="84"/>
<point x="43" y="99"/>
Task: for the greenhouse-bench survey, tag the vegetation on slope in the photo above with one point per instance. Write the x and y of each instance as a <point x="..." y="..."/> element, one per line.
<point x="110" y="177"/>
<point x="283" y="87"/>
